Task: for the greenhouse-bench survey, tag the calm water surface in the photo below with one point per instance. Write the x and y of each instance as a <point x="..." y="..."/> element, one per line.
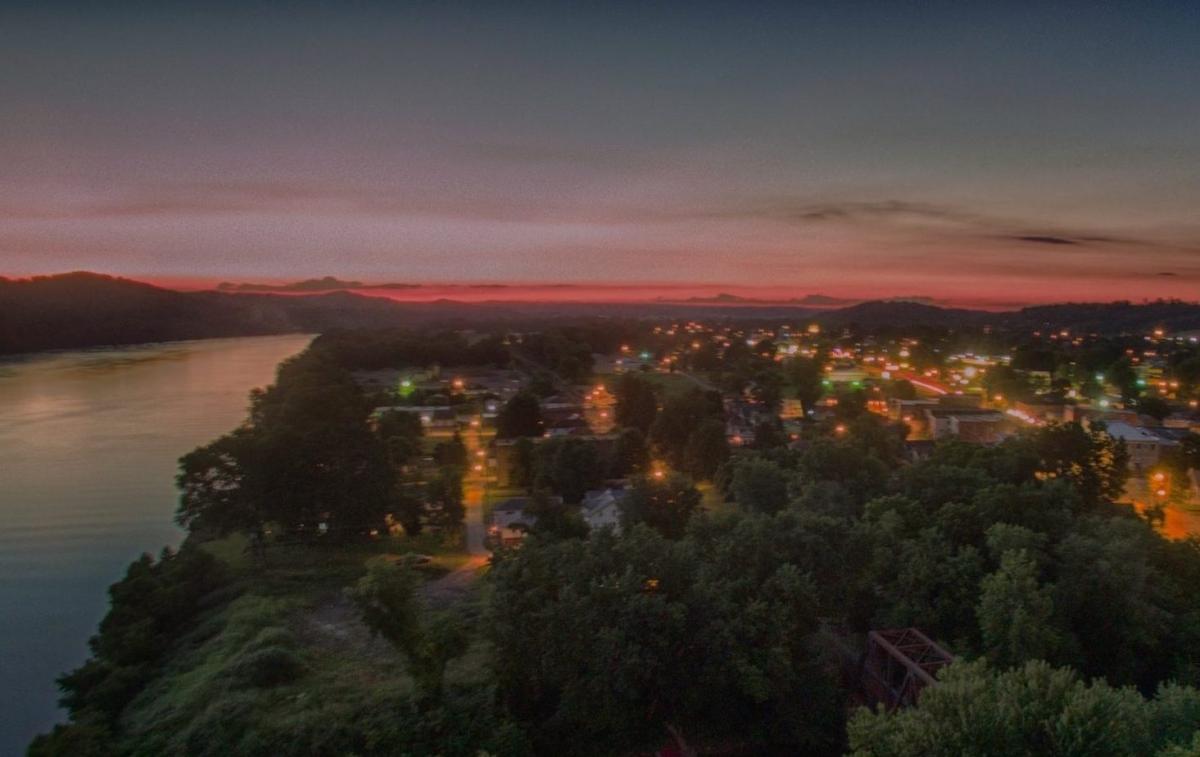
<point x="88" y="448"/>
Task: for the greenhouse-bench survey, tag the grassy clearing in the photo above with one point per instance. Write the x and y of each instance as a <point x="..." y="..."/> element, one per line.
<point x="282" y="654"/>
<point x="667" y="384"/>
<point x="711" y="499"/>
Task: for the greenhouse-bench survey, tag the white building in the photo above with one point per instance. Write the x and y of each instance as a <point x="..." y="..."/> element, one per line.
<point x="601" y="508"/>
<point x="1145" y="447"/>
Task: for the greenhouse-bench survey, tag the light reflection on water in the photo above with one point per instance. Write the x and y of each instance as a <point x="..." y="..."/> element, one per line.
<point x="88" y="446"/>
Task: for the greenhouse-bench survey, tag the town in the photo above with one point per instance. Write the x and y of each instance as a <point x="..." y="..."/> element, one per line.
<point x="789" y="386"/>
<point x="781" y="536"/>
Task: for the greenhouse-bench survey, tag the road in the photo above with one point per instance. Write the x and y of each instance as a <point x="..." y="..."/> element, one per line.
<point x="456" y="584"/>
<point x="1178" y="523"/>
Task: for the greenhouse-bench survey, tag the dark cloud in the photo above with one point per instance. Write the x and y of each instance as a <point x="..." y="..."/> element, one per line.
<point x="1044" y="239"/>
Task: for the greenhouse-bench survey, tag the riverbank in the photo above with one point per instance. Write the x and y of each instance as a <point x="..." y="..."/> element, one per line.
<point x="90" y="442"/>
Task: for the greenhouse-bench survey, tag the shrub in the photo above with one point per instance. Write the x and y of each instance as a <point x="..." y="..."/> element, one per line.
<point x="265" y="667"/>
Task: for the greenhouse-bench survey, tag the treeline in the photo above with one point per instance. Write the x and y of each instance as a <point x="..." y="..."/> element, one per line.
<point x="148" y="610"/>
<point x="371" y="349"/>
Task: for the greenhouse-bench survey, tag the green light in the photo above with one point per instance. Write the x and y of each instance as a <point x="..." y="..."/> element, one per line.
<point x="645" y="356"/>
<point x="406" y="388"/>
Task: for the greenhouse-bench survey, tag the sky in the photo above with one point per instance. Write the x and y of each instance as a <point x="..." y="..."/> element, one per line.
<point x="975" y="153"/>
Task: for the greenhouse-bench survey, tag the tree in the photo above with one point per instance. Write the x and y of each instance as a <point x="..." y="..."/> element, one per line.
<point x="520" y="416"/>
<point x="1034" y="709"/>
<point x="805" y="376"/>
<point x="568" y="467"/>
<point x="401" y="432"/>
<point x="150" y="607"/>
<point x="706" y="449"/>
<point x="637" y="404"/>
<point x="630" y="454"/>
<point x="1093" y="461"/>
<point x="524" y="469"/>
<point x="680" y="417"/>
<point x="850" y="404"/>
<point x="760" y="485"/>
<point x="444" y="495"/>
<point x="306" y="457"/>
<point x="1007" y="382"/>
<point x="1155" y="407"/>
<point x="664" y="504"/>
<point x="1121" y="375"/>
<point x="767" y="388"/>
<point x="1015" y="613"/>
<point x="387" y="599"/>
<point x="321" y="462"/>
<point x="219" y="491"/>
<point x="610" y="644"/>
<point x="409" y="508"/>
<point x="554" y="518"/>
<point x="902" y="389"/>
<point x="769" y="435"/>
<point x="452" y="453"/>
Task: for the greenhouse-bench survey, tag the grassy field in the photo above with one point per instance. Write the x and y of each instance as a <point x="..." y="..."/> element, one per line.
<point x="667" y="384"/>
<point x="282" y="654"/>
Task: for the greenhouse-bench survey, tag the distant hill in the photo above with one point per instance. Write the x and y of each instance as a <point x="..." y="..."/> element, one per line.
<point x="1112" y="317"/>
<point x="323" y="284"/>
<point x="78" y="310"/>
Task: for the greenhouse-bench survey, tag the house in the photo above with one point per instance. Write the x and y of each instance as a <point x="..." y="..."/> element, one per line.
<point x="1144" y="445"/>
<point x="917" y="450"/>
<point x="601" y="508"/>
<point x="511" y="521"/>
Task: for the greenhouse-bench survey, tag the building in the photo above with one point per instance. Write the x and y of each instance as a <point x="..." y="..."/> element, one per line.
<point x="601" y="508"/>
<point x="791" y="408"/>
<point x="1085" y="414"/>
<point x="1189" y="420"/>
<point x="511" y="521"/>
<point x="971" y="424"/>
<point x="1144" y="445"/>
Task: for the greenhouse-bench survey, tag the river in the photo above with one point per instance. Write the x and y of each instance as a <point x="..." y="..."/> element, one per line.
<point x="88" y="448"/>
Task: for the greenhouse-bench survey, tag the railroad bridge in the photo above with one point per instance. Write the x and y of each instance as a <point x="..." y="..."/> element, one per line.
<point x="893" y="668"/>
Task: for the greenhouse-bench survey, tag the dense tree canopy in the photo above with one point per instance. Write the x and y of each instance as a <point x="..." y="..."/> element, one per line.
<point x="307" y="457"/>
<point x="1033" y="709"/>
<point x="612" y="643"/>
